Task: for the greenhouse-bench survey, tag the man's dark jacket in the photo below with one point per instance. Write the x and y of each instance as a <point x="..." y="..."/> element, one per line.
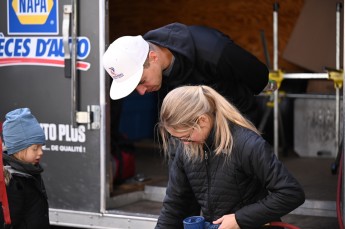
<point x="206" y="56"/>
<point x="252" y="183"/>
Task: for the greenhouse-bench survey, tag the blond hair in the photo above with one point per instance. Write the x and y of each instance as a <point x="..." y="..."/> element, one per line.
<point x="181" y="109"/>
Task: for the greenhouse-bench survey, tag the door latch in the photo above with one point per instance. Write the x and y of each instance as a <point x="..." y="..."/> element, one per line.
<point x="91" y="117"/>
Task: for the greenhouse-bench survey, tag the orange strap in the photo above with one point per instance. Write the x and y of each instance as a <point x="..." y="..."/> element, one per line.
<point x="3" y="191"/>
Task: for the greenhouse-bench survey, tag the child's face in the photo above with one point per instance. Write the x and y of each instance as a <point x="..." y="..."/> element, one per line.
<point x="31" y="154"/>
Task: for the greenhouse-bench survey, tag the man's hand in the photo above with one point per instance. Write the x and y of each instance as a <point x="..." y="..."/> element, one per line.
<point x="227" y="222"/>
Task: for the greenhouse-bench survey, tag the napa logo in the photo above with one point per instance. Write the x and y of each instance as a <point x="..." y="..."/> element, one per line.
<point x="32" y="17"/>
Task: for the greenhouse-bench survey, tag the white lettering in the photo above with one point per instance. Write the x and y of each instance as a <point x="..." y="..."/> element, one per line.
<point x="78" y="149"/>
<point x="69" y="134"/>
<point x="81" y="132"/>
<point x="54" y="147"/>
<point x="49" y="131"/>
<point x="62" y="132"/>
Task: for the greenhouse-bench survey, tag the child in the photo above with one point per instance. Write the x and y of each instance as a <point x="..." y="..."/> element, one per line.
<point x="23" y="138"/>
<point x="220" y="164"/>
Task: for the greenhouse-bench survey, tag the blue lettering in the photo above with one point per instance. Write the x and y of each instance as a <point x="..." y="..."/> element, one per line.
<point x="61" y="48"/>
<point x="14" y="47"/>
<point x="83" y="48"/>
<point x="26" y="47"/>
<point x="22" y="6"/>
<point x="17" y="47"/>
<point x="43" y="6"/>
<point x="30" y="7"/>
<point x="33" y="6"/>
<point x="54" y="48"/>
<point x="2" y="40"/>
<point x="7" y="49"/>
<point x="40" y="47"/>
<point x="37" y="4"/>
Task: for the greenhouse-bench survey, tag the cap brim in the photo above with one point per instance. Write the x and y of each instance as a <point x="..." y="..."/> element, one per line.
<point x="118" y="90"/>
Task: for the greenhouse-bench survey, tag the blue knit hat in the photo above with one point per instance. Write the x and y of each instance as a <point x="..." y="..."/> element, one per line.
<point x="21" y="130"/>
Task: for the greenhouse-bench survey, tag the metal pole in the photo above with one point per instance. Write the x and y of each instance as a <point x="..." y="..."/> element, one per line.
<point x="337" y="89"/>
<point x="103" y="34"/>
<point x="343" y="180"/>
<point x="74" y="64"/>
<point x="275" y="68"/>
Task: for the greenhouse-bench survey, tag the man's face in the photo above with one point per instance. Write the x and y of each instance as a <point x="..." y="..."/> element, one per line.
<point x="151" y="79"/>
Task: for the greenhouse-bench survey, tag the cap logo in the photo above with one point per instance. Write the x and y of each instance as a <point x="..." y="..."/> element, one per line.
<point x="112" y="70"/>
<point x="117" y="76"/>
<point x="114" y="75"/>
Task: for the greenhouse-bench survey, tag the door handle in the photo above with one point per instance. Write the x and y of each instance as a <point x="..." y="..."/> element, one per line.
<point x="70" y="48"/>
<point x="65" y="34"/>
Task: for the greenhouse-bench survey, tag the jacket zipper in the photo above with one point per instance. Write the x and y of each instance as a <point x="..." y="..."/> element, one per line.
<point x="208" y="186"/>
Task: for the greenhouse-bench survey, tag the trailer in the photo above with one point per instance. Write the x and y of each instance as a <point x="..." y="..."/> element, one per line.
<point x="50" y="61"/>
<point x="50" y="52"/>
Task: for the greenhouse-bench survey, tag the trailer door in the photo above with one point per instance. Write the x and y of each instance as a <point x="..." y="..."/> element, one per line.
<point x="38" y="70"/>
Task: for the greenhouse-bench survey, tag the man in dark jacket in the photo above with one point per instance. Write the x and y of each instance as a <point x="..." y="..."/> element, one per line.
<point x="176" y="55"/>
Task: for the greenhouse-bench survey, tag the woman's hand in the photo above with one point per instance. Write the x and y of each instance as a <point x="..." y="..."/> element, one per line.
<point x="227" y="222"/>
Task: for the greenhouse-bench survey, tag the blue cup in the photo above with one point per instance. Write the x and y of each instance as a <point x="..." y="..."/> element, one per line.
<point x="194" y="222"/>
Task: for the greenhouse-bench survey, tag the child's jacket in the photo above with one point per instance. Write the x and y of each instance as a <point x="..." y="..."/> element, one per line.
<point x="26" y="193"/>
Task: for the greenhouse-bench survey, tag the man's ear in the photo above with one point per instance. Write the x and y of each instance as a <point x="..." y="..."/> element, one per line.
<point x="153" y="56"/>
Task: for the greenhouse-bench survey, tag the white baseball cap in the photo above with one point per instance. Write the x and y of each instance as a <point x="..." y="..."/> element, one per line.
<point x="124" y="61"/>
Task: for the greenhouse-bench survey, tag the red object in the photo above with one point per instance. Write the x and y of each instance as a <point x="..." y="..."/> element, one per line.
<point x="338" y="202"/>
<point x="3" y="192"/>
<point x="125" y="166"/>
